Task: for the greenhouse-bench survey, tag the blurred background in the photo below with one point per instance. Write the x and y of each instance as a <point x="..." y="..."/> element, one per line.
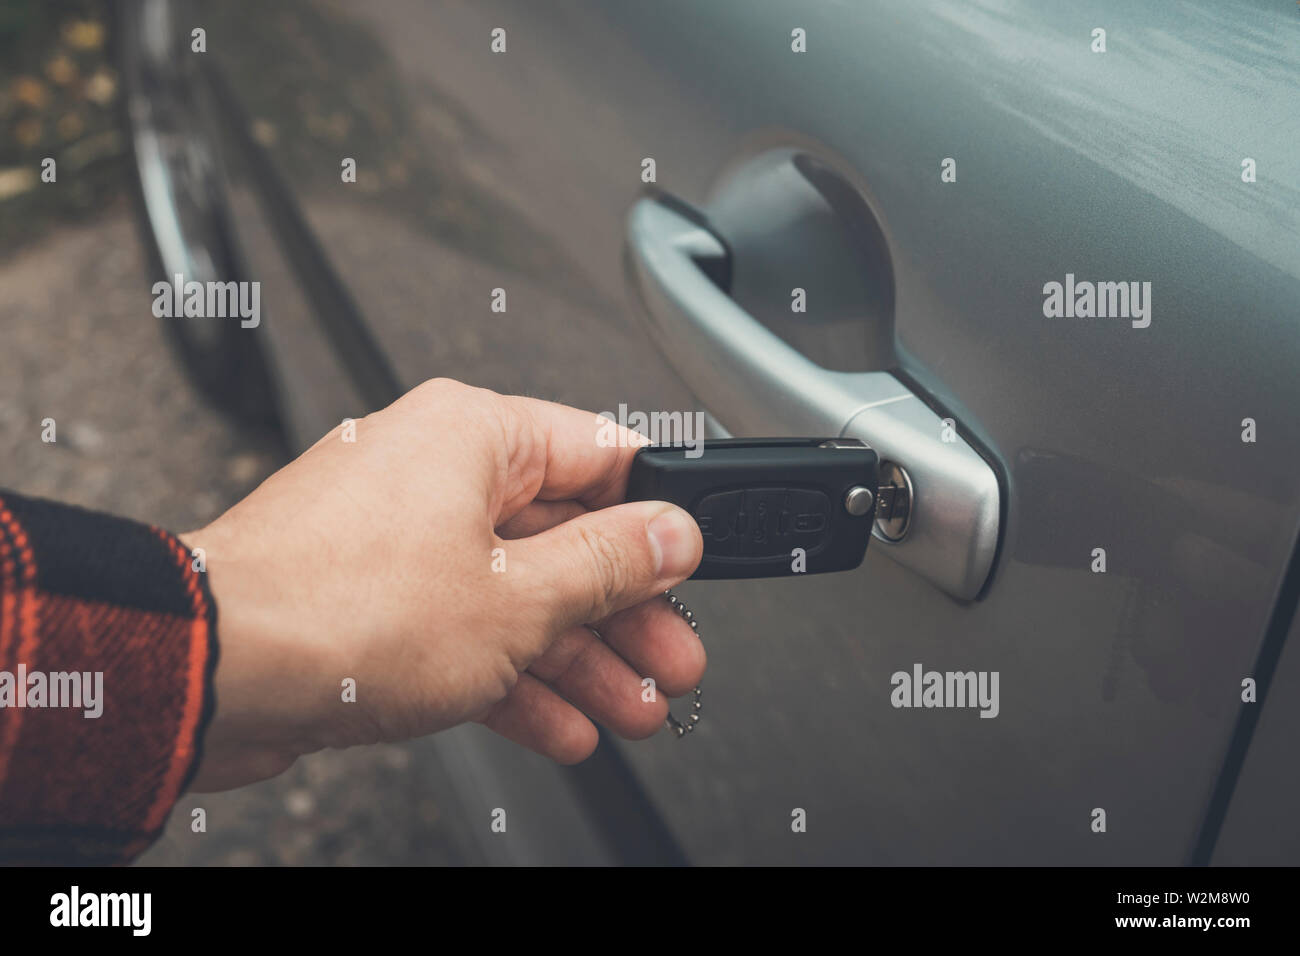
<point x="133" y="437"/>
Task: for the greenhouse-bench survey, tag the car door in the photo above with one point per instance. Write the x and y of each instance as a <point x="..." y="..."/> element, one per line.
<point x="1105" y="501"/>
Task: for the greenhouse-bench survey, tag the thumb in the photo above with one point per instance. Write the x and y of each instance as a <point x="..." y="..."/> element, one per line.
<point x="603" y="561"/>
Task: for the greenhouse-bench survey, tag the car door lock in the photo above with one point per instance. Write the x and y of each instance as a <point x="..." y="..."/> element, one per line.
<point x="773" y="507"/>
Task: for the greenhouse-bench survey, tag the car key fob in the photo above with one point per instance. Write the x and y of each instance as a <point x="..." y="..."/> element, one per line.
<point x="767" y="507"/>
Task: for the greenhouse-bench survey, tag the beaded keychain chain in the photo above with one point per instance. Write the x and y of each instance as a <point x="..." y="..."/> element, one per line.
<point x="673" y="724"/>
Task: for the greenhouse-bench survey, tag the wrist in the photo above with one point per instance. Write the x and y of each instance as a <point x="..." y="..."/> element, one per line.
<point x="262" y="685"/>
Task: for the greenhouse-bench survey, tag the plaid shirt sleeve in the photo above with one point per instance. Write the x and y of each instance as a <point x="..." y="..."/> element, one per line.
<point x="97" y="613"/>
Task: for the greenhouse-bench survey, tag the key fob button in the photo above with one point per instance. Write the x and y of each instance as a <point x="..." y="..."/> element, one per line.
<point x="716" y="515"/>
<point x="810" y="523"/>
<point x="762" y="523"/>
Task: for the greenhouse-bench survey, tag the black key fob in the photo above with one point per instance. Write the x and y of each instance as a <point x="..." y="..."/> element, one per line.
<point x="767" y="507"/>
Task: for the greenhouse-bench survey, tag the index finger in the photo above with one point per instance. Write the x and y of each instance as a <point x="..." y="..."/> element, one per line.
<point x="566" y="454"/>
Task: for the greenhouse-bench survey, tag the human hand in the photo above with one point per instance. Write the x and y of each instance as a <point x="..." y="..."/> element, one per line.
<point x="377" y="560"/>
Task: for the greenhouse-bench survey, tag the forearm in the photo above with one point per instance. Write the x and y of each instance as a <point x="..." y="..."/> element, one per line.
<point x="107" y="652"/>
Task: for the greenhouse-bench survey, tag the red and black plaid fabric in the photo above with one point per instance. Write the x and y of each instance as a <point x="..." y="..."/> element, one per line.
<point x="87" y="592"/>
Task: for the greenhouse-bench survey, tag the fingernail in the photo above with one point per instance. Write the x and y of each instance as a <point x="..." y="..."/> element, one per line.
<point x="672" y="538"/>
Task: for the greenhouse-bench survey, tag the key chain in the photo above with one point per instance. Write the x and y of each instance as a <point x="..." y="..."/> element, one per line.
<point x="672" y="723"/>
<point x="771" y="507"/>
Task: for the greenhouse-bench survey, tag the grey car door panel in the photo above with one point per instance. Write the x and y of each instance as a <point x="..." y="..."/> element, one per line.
<point x="1119" y="682"/>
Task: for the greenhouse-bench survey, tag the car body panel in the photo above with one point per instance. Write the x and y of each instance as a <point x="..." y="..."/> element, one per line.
<point x="1119" y="690"/>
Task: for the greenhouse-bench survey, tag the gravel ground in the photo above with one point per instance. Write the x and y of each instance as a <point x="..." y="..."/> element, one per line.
<point x="132" y="437"/>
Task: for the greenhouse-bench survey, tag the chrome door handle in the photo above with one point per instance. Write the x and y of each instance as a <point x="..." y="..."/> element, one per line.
<point x="755" y="384"/>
